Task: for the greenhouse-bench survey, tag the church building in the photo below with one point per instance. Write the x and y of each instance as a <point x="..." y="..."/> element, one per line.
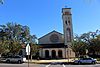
<point x="58" y="45"/>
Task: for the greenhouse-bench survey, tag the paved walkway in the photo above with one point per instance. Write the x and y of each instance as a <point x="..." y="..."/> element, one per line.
<point x="49" y="61"/>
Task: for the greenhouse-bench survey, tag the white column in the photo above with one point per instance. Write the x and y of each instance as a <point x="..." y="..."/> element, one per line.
<point x="43" y="53"/>
<point x="56" y="53"/>
<point x="50" y="52"/>
<point x="63" y="51"/>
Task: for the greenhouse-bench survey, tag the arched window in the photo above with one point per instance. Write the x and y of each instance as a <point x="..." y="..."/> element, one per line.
<point x="66" y="22"/>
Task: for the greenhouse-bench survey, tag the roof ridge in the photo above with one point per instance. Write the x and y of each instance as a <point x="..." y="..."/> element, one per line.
<point x="49" y="33"/>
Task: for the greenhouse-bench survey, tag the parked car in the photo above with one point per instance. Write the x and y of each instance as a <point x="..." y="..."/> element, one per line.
<point x="85" y="60"/>
<point x="17" y="59"/>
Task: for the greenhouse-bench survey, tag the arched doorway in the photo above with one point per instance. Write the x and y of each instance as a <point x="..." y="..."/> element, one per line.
<point x="53" y="54"/>
<point x="60" y="54"/>
<point x="46" y="53"/>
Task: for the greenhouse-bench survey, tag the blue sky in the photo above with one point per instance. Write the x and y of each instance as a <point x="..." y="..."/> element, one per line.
<point x="43" y="16"/>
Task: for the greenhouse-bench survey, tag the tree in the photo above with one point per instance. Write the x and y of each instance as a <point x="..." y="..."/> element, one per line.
<point x="34" y="50"/>
<point x="92" y="40"/>
<point x="11" y="33"/>
<point x="79" y="46"/>
<point x="1" y="1"/>
<point x="87" y="41"/>
<point x="3" y="39"/>
<point x="86" y="37"/>
<point x="94" y="48"/>
<point x="13" y="36"/>
<point x="34" y="46"/>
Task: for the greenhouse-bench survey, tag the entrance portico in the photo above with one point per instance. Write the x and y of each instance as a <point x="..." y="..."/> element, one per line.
<point x="53" y="53"/>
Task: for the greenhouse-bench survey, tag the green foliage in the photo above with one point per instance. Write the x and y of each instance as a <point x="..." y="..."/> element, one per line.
<point x="1" y="1"/>
<point x="79" y="47"/>
<point x="34" y="49"/>
<point x="12" y="36"/>
<point x="87" y="43"/>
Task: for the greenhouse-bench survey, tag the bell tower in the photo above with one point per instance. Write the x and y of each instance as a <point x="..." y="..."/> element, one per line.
<point x="67" y="26"/>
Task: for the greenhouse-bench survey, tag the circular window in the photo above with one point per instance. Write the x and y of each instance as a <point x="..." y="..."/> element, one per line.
<point x="54" y="38"/>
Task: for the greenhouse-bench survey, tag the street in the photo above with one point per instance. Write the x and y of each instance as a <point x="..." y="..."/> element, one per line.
<point x="45" y="65"/>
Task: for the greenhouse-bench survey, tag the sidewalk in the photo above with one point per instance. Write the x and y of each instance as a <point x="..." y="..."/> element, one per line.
<point x="49" y="61"/>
